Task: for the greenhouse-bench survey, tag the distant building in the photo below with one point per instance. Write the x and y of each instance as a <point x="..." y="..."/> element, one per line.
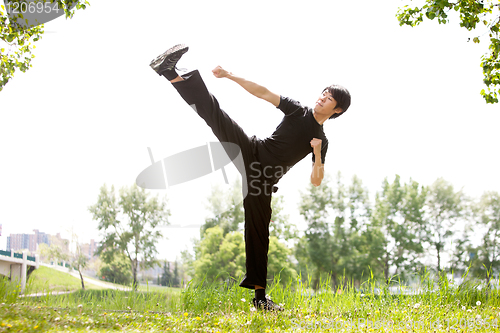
<point x="59" y="241"/>
<point x="18" y="242"/>
<point x="30" y="242"/>
<point x="38" y="238"/>
<point x="89" y="249"/>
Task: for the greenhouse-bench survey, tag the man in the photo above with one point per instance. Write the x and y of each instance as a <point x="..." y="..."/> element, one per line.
<point x="265" y="161"/>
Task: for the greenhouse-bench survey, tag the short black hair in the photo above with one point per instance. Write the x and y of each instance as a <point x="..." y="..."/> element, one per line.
<point x="342" y="96"/>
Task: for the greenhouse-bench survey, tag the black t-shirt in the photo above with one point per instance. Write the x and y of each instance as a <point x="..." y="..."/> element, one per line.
<point x="291" y="141"/>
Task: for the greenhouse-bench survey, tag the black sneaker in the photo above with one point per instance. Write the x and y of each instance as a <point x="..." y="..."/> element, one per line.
<point x="168" y="59"/>
<point x="267" y="304"/>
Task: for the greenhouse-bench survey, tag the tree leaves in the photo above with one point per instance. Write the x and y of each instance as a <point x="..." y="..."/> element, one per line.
<point x="130" y="225"/>
<point x="471" y="14"/>
<point x="336" y="240"/>
<point x="21" y="41"/>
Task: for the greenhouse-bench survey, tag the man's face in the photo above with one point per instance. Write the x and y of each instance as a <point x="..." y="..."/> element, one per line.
<point x="326" y="104"/>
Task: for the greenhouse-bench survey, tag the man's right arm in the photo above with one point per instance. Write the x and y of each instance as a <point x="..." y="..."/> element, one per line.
<point x="253" y="88"/>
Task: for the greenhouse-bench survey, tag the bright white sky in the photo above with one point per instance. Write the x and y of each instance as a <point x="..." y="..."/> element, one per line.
<point x="86" y="112"/>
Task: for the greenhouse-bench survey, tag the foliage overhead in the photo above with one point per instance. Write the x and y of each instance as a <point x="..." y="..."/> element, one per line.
<point x="17" y="43"/>
<point x="473" y="14"/>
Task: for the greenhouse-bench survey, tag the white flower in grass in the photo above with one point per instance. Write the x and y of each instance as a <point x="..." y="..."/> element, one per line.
<point x="469" y="310"/>
<point x="243" y="300"/>
<point x="362" y="295"/>
<point x="252" y="309"/>
<point x="478" y="317"/>
<point x="416" y="306"/>
<point x="463" y="307"/>
<point x="478" y="303"/>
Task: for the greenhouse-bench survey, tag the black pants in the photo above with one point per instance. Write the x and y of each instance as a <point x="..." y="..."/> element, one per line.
<point x="257" y="202"/>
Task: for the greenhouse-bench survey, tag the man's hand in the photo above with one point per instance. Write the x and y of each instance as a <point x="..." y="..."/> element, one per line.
<point x="220" y="72"/>
<point x="316" y="146"/>
<point x="318" y="168"/>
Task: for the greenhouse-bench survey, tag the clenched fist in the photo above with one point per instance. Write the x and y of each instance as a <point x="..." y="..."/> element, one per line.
<point x="220" y="72"/>
<point x="316" y="146"/>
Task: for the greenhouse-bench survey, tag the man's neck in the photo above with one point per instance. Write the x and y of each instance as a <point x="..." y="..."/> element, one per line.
<point x="320" y="118"/>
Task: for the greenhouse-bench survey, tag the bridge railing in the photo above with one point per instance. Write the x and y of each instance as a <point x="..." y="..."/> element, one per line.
<point x="16" y="255"/>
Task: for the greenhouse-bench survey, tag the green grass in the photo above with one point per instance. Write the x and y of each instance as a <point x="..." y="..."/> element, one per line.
<point x="227" y="308"/>
<point x="159" y="289"/>
<point x="46" y="279"/>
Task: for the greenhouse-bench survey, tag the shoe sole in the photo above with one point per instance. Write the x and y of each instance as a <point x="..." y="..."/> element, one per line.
<point x="176" y="50"/>
<point x="268" y="308"/>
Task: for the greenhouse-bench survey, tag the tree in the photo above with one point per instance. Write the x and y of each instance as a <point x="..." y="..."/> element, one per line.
<point x="129" y="226"/>
<point x="322" y="252"/>
<point x="166" y="277"/>
<point x="359" y="231"/>
<point x="20" y="40"/>
<point x="461" y="253"/>
<point x="218" y="256"/>
<point x="278" y="263"/>
<point x="226" y="209"/>
<point x="175" y="280"/>
<point x="398" y="215"/>
<point x="443" y="211"/>
<point x="222" y="257"/>
<point x="52" y="252"/>
<point x="472" y="14"/>
<point x="117" y="270"/>
<point x="78" y="259"/>
<point x="59" y="251"/>
<point x="305" y="267"/>
<point x="280" y="227"/>
<point x="488" y="252"/>
<point x="337" y="218"/>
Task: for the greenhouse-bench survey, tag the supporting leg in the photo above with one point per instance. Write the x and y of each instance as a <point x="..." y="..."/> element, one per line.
<point x="257" y="203"/>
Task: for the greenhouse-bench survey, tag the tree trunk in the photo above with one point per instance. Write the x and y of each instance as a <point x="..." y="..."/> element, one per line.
<point x="386" y="268"/>
<point x="134" y="273"/>
<point x="134" y="284"/>
<point x="81" y="278"/>
<point x="439" y="259"/>
<point x="316" y="280"/>
<point x="334" y="279"/>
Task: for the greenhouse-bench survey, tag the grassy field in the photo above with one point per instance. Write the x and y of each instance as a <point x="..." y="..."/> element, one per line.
<point x="47" y="279"/>
<point x="160" y="289"/>
<point x="437" y="307"/>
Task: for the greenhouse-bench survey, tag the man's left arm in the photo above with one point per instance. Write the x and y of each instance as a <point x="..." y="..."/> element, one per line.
<point x="318" y="167"/>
